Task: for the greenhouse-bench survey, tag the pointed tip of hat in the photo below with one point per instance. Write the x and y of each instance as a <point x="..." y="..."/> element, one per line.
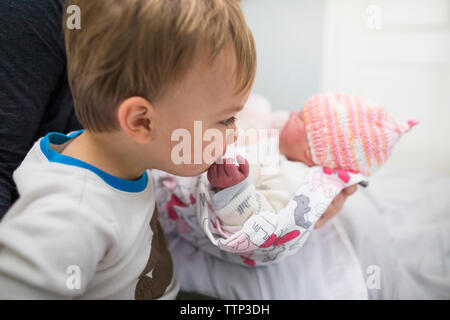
<point x="411" y="123"/>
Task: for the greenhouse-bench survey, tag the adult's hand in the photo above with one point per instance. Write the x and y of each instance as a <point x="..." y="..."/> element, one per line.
<point x="335" y="206"/>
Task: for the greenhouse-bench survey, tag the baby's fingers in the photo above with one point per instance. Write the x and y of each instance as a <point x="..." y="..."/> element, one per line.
<point x="212" y="174"/>
<point x="244" y="167"/>
<point x="221" y="170"/>
<point x="230" y="169"/>
<point x="350" y="190"/>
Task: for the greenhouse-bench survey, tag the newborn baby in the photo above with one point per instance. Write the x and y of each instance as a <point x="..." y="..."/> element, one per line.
<point x="343" y="132"/>
<point x="340" y="132"/>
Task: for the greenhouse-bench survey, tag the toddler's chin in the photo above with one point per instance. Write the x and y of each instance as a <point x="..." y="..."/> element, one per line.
<point x="188" y="170"/>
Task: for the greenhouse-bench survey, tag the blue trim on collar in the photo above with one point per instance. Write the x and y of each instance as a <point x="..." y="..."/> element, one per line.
<point x="115" y="182"/>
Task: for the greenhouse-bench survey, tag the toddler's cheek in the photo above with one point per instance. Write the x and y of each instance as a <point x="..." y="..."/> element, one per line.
<point x="229" y="137"/>
<point x="213" y="149"/>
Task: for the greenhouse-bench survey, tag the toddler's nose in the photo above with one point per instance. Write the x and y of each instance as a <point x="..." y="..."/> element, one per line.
<point x="232" y="136"/>
<point x="236" y="135"/>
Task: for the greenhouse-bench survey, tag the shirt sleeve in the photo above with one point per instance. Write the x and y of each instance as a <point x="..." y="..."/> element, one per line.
<point x="32" y="64"/>
<point x="50" y="251"/>
<point x="236" y="204"/>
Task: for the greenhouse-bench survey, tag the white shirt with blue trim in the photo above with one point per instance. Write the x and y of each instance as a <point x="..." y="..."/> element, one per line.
<point x="77" y="232"/>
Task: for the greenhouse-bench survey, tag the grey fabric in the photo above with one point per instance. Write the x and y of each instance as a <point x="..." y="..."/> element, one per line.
<point x="223" y="197"/>
<point x="34" y="94"/>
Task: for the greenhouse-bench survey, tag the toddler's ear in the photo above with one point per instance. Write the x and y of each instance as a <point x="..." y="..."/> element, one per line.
<point x="135" y="119"/>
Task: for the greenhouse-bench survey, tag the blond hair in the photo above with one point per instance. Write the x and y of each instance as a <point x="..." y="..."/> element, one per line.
<point x="139" y="47"/>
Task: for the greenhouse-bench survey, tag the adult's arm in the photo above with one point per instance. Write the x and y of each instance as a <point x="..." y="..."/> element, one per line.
<point x="34" y="96"/>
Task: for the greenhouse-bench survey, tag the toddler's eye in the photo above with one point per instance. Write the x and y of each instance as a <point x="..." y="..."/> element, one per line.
<point x="228" y="122"/>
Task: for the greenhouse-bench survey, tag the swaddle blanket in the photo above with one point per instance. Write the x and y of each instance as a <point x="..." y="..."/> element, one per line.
<point x="267" y="236"/>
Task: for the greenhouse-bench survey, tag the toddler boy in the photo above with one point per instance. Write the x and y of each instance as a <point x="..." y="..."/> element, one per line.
<point x="85" y="225"/>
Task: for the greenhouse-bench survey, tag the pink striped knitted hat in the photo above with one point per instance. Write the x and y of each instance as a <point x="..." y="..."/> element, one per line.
<point x="347" y="132"/>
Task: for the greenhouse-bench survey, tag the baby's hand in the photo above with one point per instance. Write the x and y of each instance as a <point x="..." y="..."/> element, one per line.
<point x="228" y="174"/>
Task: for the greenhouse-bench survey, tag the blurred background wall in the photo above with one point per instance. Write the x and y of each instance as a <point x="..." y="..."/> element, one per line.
<point x="288" y="35"/>
<point x="395" y="52"/>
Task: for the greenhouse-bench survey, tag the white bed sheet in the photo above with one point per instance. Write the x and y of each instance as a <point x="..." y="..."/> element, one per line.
<point x="325" y="268"/>
<point x="400" y="224"/>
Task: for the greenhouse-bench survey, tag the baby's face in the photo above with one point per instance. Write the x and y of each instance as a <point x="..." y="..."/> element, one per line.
<point x="293" y="141"/>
